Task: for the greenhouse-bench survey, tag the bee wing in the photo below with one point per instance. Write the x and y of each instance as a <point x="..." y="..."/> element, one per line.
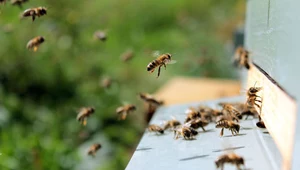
<point x="172" y="62"/>
<point x="156" y="54"/>
<point x="173" y="117"/>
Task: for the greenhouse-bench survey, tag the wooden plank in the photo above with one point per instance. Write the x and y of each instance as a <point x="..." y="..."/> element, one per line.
<point x="187" y="89"/>
<point x="278" y="112"/>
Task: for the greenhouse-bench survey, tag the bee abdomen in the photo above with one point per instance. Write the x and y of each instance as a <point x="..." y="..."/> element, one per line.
<point x="152" y="65"/>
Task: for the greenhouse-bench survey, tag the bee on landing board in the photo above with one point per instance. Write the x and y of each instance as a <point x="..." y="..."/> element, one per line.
<point x="155" y="128"/>
<point x="230" y="112"/>
<point x="123" y="111"/>
<point x="228" y="124"/>
<point x="230" y="158"/>
<point x="84" y="113"/>
<point x="241" y="58"/>
<point x="208" y="113"/>
<point x="171" y="124"/>
<point x="18" y="2"/>
<point x="93" y="149"/>
<point x="188" y="133"/>
<point x="34" y="43"/>
<point x="162" y="60"/>
<point x="197" y="123"/>
<point x="252" y="101"/>
<point x="35" y="12"/>
<point x="192" y="113"/>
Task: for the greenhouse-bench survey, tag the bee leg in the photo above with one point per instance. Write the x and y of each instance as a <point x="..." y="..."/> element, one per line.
<point x="33" y="18"/>
<point x="258" y="101"/>
<point x="165" y="66"/>
<point x="203" y="129"/>
<point x="35" y="48"/>
<point x="246" y="117"/>
<point x="222" y="131"/>
<point x="84" y="122"/>
<point x="158" y="73"/>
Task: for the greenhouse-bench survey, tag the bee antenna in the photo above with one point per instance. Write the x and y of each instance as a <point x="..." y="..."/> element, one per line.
<point x="255" y="83"/>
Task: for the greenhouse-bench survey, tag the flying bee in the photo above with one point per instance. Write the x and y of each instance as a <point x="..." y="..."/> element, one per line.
<point x="18" y="2"/>
<point x="100" y="35"/>
<point x="241" y="58"/>
<point x="171" y="124"/>
<point x="186" y="132"/>
<point x="230" y="158"/>
<point x="84" y="113"/>
<point x="123" y="111"/>
<point x="106" y="82"/>
<point x="35" y="12"/>
<point x="230" y="112"/>
<point x="197" y="123"/>
<point x="127" y="56"/>
<point x="34" y="43"/>
<point x="162" y="60"/>
<point x="93" y="149"/>
<point x="150" y="99"/>
<point x="192" y="113"/>
<point x="228" y="124"/>
<point x="155" y="128"/>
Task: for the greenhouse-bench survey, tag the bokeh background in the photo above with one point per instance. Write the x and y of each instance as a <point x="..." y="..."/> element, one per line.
<point x="41" y="92"/>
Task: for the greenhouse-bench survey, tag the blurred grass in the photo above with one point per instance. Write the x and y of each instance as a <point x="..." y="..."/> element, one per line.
<point x="40" y="92"/>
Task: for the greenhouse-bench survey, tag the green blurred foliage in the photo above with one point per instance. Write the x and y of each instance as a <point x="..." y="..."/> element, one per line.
<point x="41" y="92"/>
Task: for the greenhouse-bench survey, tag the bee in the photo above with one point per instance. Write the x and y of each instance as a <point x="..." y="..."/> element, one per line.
<point x="230" y="112"/>
<point x="228" y="124"/>
<point x="242" y="108"/>
<point x="230" y="158"/>
<point x="123" y="111"/>
<point x="126" y="56"/>
<point x="208" y="113"/>
<point x="171" y="124"/>
<point x="253" y="91"/>
<point x="186" y="132"/>
<point x="34" y="43"/>
<point x="192" y="113"/>
<point x="197" y="123"/>
<point x="155" y="128"/>
<point x="253" y="99"/>
<point x="33" y="12"/>
<point x="241" y="58"/>
<point x="162" y="60"/>
<point x="93" y="149"/>
<point x="84" y="113"/>
<point x="18" y="2"/>
<point x="100" y="35"/>
<point x="150" y="99"/>
<point x="106" y="82"/>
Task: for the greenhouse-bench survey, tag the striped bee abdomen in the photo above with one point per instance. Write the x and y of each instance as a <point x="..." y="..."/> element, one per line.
<point x="152" y="65"/>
